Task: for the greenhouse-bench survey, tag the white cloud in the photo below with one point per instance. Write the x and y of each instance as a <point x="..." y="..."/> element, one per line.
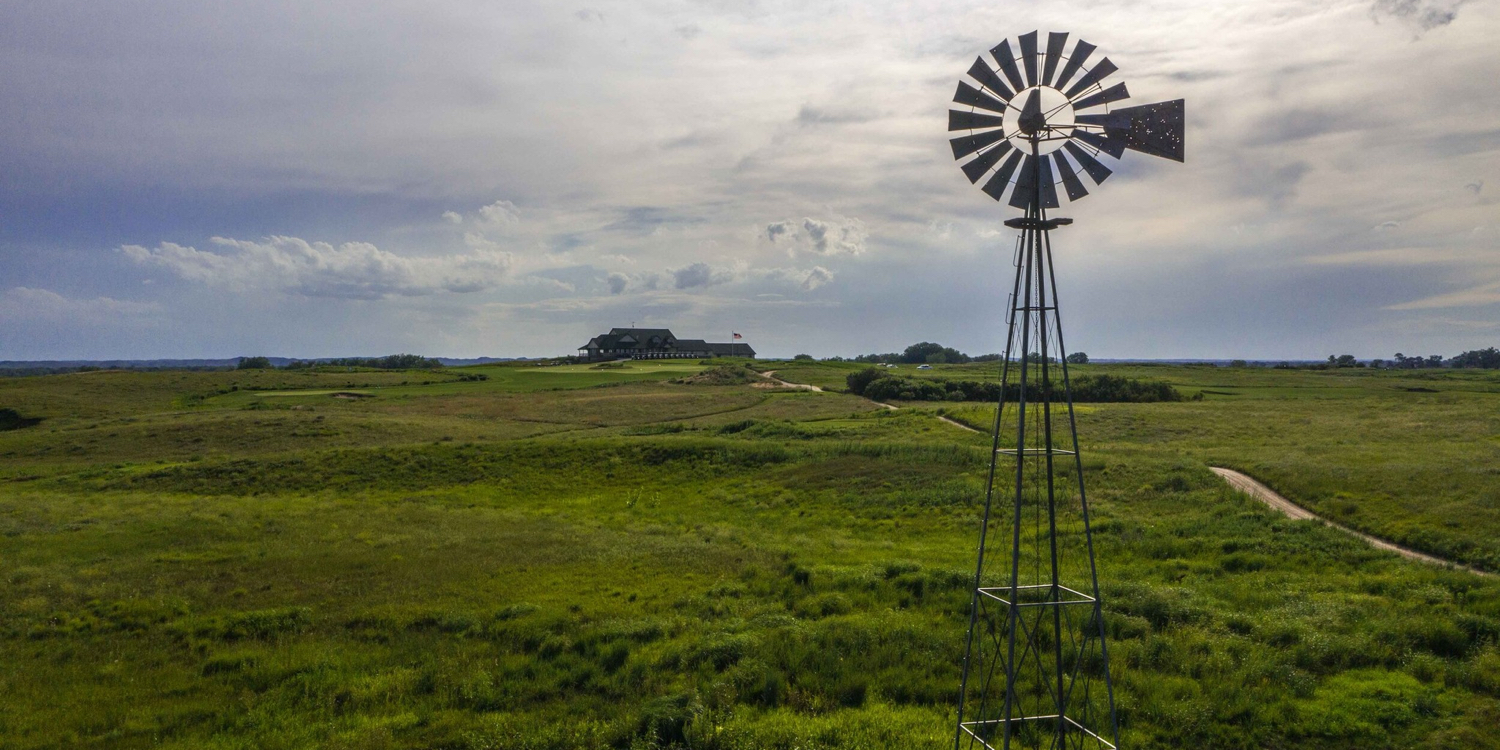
<point x="817" y="277"/>
<point x="44" y="305"/>
<point x="453" y="217"/>
<point x="821" y="236"/>
<point x="501" y="213"/>
<point x="700" y="275"/>
<point x="353" y="270"/>
<point x="1479" y="296"/>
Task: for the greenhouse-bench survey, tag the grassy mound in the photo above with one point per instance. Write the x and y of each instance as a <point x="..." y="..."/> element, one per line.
<point x="721" y="375"/>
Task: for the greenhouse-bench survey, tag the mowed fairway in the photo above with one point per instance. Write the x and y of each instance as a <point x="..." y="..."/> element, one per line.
<point x="569" y="557"/>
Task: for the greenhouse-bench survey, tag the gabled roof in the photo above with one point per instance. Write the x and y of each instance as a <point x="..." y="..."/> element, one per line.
<point x="631" y="338"/>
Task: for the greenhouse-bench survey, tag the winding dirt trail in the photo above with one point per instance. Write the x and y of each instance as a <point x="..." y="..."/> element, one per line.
<point x="1270" y="497"/>
<point x="771" y="375"/>
<point x="959" y="425"/>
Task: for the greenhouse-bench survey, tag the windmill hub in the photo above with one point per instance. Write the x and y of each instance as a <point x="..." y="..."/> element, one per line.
<point x="1042" y="111"/>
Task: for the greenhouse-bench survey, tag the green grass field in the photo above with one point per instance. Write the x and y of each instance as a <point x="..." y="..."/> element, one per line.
<point x="570" y="557"/>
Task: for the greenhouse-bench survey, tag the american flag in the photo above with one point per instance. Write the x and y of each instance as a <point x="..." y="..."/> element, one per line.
<point x="738" y="336"/>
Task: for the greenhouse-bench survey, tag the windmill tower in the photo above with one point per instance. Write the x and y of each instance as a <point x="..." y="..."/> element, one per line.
<point x="1036" y="665"/>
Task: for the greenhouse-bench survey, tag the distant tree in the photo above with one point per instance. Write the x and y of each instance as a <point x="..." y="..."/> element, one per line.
<point x="391" y="362"/>
<point x="1488" y="359"/>
<point x="927" y="352"/>
<point x="1410" y="363"/>
<point x="985" y="358"/>
<point x="1078" y="358"/>
<point x="254" y="363"/>
<point x="1036" y="357"/>
<point x="1377" y="363"/>
<point x="1239" y="363"/>
<point x="1342" y="360"/>
<point x="806" y="357"/>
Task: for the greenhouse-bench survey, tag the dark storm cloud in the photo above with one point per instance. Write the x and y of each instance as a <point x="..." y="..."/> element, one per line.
<point x="699" y="275"/>
<point x="1424" y="14"/>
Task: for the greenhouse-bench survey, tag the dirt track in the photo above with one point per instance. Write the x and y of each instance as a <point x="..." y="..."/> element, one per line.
<point x="771" y="375"/>
<point x="959" y="425"/>
<point x="1269" y="496"/>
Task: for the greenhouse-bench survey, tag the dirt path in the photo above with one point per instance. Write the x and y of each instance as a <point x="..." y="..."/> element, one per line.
<point x="771" y="375"/>
<point x="959" y="425"/>
<point x="1269" y="496"/>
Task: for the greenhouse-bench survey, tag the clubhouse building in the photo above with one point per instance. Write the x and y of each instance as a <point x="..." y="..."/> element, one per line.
<point x="656" y="343"/>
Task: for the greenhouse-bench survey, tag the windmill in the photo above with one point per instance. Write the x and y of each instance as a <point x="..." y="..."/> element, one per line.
<point x="1036" y="665"/>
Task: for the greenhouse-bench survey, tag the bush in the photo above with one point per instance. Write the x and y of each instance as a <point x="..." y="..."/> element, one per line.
<point x="665" y="720"/>
<point x="721" y="375"/>
<point x="858" y="381"/>
<point x="10" y="419"/>
<point x="254" y="363"/>
<point x="880" y="385"/>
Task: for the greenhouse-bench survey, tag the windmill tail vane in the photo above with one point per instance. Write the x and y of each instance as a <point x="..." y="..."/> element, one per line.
<point x="1036" y="668"/>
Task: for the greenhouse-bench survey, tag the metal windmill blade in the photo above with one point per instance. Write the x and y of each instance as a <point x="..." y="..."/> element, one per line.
<point x="1042" y="102"/>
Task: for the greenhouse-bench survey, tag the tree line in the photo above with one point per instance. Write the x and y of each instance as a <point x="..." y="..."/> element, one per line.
<point x="1487" y="359"/>
<point x="389" y="362"/>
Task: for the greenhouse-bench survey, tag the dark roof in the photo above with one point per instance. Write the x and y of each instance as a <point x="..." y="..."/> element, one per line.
<point x="642" y="334"/>
<point x="631" y="338"/>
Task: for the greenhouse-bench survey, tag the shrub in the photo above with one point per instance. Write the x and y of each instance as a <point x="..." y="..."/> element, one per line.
<point x="721" y="375"/>
<point x="880" y="386"/>
<point x="665" y="720"/>
<point x="10" y="419"/>
<point x="859" y="380"/>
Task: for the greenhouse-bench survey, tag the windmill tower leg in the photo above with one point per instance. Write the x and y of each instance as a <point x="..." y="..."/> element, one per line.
<point x="1035" y="670"/>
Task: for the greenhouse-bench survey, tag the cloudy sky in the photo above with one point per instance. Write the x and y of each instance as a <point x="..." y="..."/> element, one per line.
<point x="464" y="178"/>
